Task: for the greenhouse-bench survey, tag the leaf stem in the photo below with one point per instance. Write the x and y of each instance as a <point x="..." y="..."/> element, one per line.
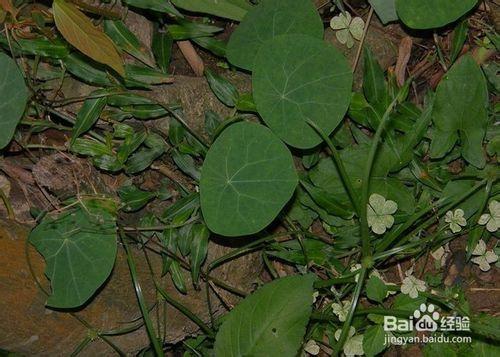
<point x="354" y="302"/>
<point x="140" y="299"/>
<point x="365" y="188"/>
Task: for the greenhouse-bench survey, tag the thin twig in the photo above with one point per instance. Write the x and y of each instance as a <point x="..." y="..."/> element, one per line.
<point x="361" y="43"/>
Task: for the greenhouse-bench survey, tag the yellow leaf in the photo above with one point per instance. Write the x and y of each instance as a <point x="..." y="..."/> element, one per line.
<point x="80" y="32"/>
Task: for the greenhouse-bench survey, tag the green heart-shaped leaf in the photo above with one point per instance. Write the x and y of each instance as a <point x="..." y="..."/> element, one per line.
<point x="298" y="78"/>
<point x="270" y="322"/>
<point x="247" y="177"/>
<point x="79" y="247"/>
<point x="461" y="111"/>
<point x="269" y="19"/>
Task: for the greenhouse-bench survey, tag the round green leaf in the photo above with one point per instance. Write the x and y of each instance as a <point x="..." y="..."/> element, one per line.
<point x="270" y="322"/>
<point x="13" y="97"/>
<point x="298" y="78"/>
<point x="269" y="19"/>
<point x="247" y="177"/>
<point x="428" y="14"/>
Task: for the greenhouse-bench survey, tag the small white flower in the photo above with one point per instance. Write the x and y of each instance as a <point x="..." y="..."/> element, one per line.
<point x="341" y="310"/>
<point x="492" y="219"/>
<point x="483" y="257"/>
<point x="380" y="213"/>
<point x="411" y="286"/>
<point x="440" y="254"/>
<point x="315" y="296"/>
<point x="312" y="348"/>
<point x="347" y="28"/>
<point x="353" y="345"/>
<point x="456" y="220"/>
<point x="355" y="267"/>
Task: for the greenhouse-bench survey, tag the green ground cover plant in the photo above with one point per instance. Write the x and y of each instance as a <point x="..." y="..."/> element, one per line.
<point x="355" y="177"/>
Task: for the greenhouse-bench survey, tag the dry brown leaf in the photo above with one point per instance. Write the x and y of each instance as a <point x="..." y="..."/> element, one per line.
<point x="80" y="32"/>
<point x="403" y="58"/>
<point x="193" y="58"/>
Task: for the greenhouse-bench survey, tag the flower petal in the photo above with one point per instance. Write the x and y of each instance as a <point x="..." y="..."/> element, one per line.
<point x="492" y="225"/>
<point x="490" y="256"/>
<point x="480" y="248"/>
<point x="484" y="219"/>
<point x="481" y="261"/>
<point x="343" y="36"/>
<point x="377" y="202"/>
<point x="388" y="221"/>
<point x="390" y="207"/>
<point x="455" y="228"/>
<point x="354" y="346"/>
<point x="494" y="207"/>
<point x="357" y="27"/>
<point x="312" y="347"/>
<point x="459" y="213"/>
<point x="336" y="23"/>
<point x="379" y="227"/>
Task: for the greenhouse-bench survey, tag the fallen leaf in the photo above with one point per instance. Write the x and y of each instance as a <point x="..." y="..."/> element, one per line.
<point x="80" y="32"/>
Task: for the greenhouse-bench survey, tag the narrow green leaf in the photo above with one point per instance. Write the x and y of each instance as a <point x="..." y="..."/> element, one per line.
<point x="184" y="239"/>
<point x="230" y="9"/>
<point x="199" y="249"/>
<point x="212" y="122"/>
<point x="146" y="75"/>
<point x="144" y="157"/>
<point x="142" y="303"/>
<point x="186" y="30"/>
<point x="126" y="99"/>
<point x="222" y="88"/>
<point x="86" y="70"/>
<point x="186" y="204"/>
<point x="245" y="103"/>
<point x="186" y="164"/>
<point x="177" y="277"/>
<point x="134" y="198"/>
<point x="108" y="163"/>
<point x="374" y="86"/>
<point x="127" y="41"/>
<point x="53" y="48"/>
<point x="327" y="201"/>
<point x="459" y="37"/>
<point x="214" y="45"/>
<point x="162" y="48"/>
<point x="169" y="240"/>
<point x="90" y="147"/>
<point x="164" y="6"/>
<point x="88" y="114"/>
